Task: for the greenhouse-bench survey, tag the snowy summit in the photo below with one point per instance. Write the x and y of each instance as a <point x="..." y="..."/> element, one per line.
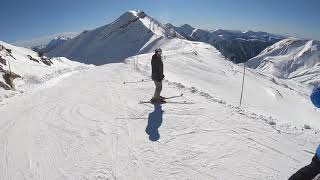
<point x="129" y="35"/>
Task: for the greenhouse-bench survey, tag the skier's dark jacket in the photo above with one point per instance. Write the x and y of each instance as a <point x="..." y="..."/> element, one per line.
<point x="157" y="68"/>
<point x="309" y="172"/>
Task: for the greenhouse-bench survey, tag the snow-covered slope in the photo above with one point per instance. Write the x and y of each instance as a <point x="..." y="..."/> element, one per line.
<point x="42" y="42"/>
<point x="293" y="59"/>
<point x="30" y="70"/>
<point x="197" y="64"/>
<point x="114" y="42"/>
<point x="237" y="46"/>
<point x="54" y="43"/>
<point x="90" y="125"/>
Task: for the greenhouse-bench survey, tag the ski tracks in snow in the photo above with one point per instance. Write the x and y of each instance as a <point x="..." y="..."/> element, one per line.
<point x="91" y="126"/>
<point x="269" y="142"/>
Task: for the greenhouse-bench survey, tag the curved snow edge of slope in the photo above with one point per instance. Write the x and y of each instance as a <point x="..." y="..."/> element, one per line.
<point x="63" y="66"/>
<point x="31" y="83"/>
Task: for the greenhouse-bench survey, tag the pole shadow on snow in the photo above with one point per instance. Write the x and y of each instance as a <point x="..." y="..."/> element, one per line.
<point x="154" y="122"/>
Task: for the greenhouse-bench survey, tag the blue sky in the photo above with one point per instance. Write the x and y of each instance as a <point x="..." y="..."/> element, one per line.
<point x="27" y="19"/>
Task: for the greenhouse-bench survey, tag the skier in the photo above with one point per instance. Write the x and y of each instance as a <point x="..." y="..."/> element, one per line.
<point x="157" y="76"/>
<point x="310" y="171"/>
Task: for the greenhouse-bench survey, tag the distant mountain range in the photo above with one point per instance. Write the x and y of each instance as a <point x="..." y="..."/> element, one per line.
<point x="42" y="42"/>
<point x="237" y="46"/>
<point x="135" y="33"/>
<point x="129" y="33"/>
<point x="55" y="42"/>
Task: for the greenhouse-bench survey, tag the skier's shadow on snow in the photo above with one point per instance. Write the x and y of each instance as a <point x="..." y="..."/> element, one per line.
<point x="154" y="122"/>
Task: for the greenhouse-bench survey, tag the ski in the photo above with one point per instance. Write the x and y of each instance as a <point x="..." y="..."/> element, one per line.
<point x="167" y="102"/>
<point x="171" y="97"/>
<point x="179" y="102"/>
<point x="172" y="102"/>
<point x="144" y="102"/>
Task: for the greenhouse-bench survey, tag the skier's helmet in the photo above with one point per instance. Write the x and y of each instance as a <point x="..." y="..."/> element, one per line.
<point x="158" y="50"/>
<point x="315" y="97"/>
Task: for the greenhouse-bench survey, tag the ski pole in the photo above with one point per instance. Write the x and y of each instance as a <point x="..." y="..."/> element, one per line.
<point x="142" y="80"/>
<point x="244" y="73"/>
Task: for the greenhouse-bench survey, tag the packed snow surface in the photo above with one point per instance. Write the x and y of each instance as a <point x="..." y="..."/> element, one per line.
<point x="90" y="125"/>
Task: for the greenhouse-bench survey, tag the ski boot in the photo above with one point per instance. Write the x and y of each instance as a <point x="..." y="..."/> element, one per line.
<point x="157" y="100"/>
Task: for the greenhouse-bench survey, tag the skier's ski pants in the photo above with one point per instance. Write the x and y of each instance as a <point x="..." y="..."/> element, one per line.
<point x="158" y="89"/>
<point x="309" y="172"/>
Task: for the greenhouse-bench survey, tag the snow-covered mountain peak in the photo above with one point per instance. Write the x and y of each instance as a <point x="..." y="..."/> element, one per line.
<point x="225" y="31"/>
<point x="186" y="29"/>
<point x="187" y="26"/>
<point x="286" y="45"/>
<point x="138" y="13"/>
<point x="127" y="17"/>
<point x="291" y="58"/>
<point x="128" y="35"/>
<point x="293" y="48"/>
<point x="137" y="18"/>
<point x="62" y="38"/>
